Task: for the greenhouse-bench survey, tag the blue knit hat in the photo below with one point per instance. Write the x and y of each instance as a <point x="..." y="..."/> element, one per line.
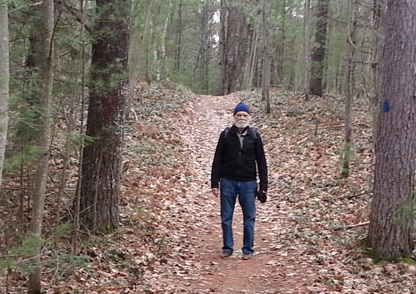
<point x="241" y="107"/>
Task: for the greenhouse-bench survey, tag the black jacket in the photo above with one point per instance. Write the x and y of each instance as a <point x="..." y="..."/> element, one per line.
<point x="232" y="162"/>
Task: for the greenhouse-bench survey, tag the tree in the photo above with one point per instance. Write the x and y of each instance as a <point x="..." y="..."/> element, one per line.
<point x="266" y="55"/>
<point x="179" y="36"/>
<point x="4" y="80"/>
<point x="43" y="141"/>
<point x="318" y="50"/>
<point x="201" y="71"/>
<point x="391" y="219"/>
<point x="234" y="41"/>
<point x="349" y="86"/>
<point x="101" y="163"/>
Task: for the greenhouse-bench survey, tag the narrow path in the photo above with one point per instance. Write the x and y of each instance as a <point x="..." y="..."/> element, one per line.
<point x="301" y="243"/>
<point x="270" y="271"/>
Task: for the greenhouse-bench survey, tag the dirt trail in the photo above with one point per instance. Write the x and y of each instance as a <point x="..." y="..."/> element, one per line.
<point x="269" y="271"/>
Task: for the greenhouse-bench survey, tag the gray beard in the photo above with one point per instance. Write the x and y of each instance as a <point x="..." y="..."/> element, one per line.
<point x="241" y="125"/>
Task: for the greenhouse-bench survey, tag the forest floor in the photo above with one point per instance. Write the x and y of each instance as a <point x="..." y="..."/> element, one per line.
<point x="309" y="235"/>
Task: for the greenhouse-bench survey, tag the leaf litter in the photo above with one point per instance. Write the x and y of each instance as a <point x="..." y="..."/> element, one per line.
<point x="307" y="237"/>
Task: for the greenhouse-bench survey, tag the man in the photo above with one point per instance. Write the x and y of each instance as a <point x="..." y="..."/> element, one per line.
<point x="238" y="157"/>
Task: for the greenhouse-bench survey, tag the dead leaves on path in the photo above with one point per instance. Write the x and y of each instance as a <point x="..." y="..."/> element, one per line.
<point x="171" y="234"/>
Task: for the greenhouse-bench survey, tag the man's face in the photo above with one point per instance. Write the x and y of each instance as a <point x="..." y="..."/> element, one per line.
<point x="241" y="119"/>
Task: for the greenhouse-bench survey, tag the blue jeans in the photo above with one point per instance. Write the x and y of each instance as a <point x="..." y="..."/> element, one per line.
<point x="246" y="192"/>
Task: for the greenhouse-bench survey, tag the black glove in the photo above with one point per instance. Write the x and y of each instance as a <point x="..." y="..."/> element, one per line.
<point x="261" y="196"/>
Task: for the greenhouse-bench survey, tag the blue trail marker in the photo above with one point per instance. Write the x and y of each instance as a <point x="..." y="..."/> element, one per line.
<point x="386" y="106"/>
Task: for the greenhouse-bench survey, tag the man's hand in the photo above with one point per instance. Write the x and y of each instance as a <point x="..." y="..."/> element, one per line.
<point x="215" y="191"/>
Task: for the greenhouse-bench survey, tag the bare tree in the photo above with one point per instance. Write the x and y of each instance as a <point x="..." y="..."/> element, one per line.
<point x="391" y="220"/>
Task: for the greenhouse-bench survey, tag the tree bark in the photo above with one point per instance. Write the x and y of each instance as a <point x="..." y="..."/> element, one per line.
<point x="4" y="81"/>
<point x="378" y="17"/>
<point x="349" y="87"/>
<point x="46" y="72"/>
<point x="391" y="219"/>
<point x="266" y="56"/>
<point x="100" y="187"/>
<point x="234" y="46"/>
<point x="179" y="37"/>
<point x="318" y="50"/>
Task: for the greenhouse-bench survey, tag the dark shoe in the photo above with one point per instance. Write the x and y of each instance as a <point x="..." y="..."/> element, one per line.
<point x="247" y="256"/>
<point x="225" y="254"/>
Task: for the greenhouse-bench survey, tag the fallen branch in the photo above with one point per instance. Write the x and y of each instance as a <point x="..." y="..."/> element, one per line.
<point x="357" y="195"/>
<point x="352" y="226"/>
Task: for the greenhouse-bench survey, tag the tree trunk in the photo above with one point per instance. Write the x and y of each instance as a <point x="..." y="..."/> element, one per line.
<point x="281" y="57"/>
<point x="139" y="39"/>
<point x="46" y="74"/>
<point x="221" y="49"/>
<point x="349" y="87"/>
<point x="179" y="37"/>
<point x="234" y="46"/>
<point x="4" y="81"/>
<point x="318" y="50"/>
<point x="266" y="56"/>
<point x="202" y="62"/>
<point x="378" y="17"/>
<point x="101" y="163"/>
<point x="391" y="220"/>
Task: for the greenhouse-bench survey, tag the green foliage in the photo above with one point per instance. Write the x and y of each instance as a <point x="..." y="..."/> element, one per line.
<point x="27" y="156"/>
<point x="20" y="257"/>
<point x="80" y="140"/>
<point x="370" y="252"/>
<point x="408" y="260"/>
<point x="405" y="212"/>
<point x="377" y="259"/>
<point x="63" y="230"/>
<point x="345" y="155"/>
<point x="64" y="262"/>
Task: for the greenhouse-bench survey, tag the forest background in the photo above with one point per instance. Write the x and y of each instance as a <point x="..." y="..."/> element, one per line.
<point x="73" y="72"/>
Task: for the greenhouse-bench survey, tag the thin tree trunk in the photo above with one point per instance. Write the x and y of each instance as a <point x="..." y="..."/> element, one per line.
<point x="349" y="87"/>
<point x="4" y="81"/>
<point x="222" y="80"/>
<point x="252" y="65"/>
<point x="282" y="43"/>
<point x="35" y="227"/>
<point x="77" y="200"/>
<point x="318" y="51"/>
<point x="200" y="70"/>
<point x="307" y="46"/>
<point x="378" y="16"/>
<point x="266" y="56"/>
<point x="136" y="52"/>
<point x="179" y="37"/>
<point x="391" y="219"/>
